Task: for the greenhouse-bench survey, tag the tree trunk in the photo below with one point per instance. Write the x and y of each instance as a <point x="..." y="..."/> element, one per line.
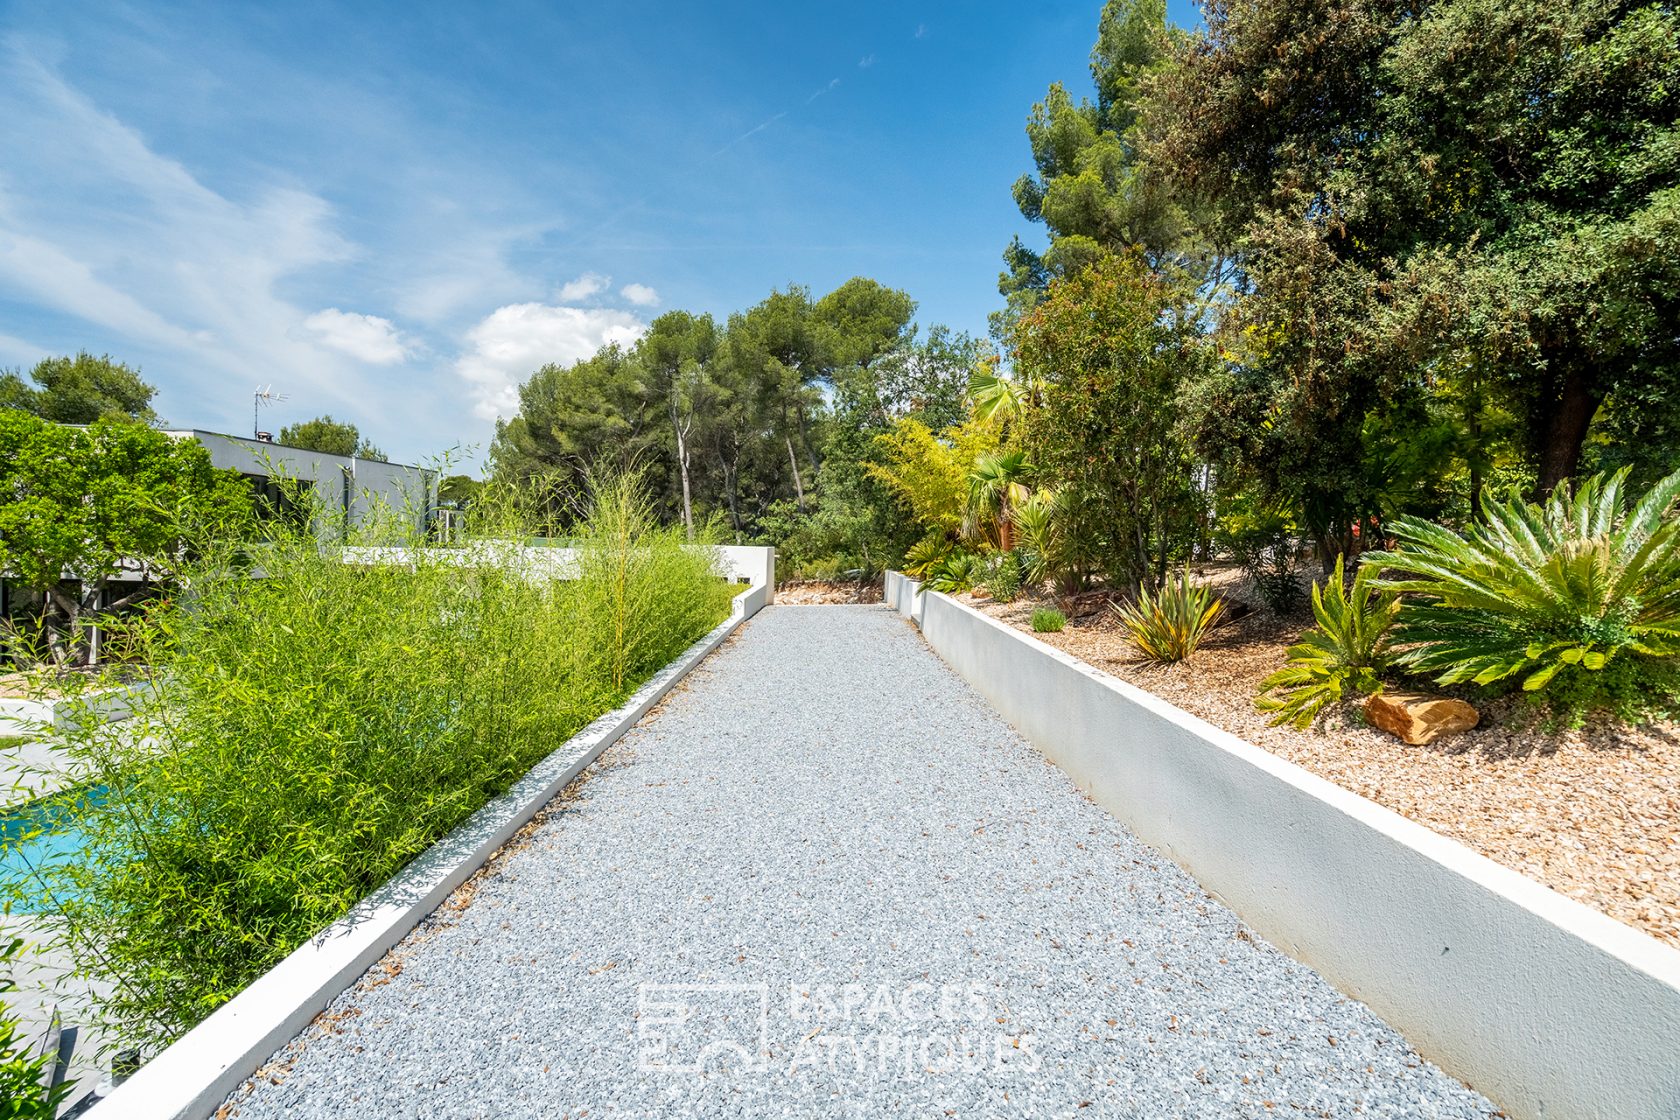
<point x="798" y="487"/>
<point x="62" y="641"/>
<point x="682" y="468"/>
<point x="1566" y="427"/>
<point x="731" y="472"/>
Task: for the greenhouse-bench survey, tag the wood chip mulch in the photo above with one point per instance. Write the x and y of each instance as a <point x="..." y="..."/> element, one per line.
<point x="1593" y="814"/>
<point x="806" y="592"/>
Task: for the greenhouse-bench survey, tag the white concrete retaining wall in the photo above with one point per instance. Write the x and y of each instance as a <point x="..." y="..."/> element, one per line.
<point x="41" y="716"/>
<point x="190" y="1079"/>
<point x="1548" y="1007"/>
<point x="750" y="564"/>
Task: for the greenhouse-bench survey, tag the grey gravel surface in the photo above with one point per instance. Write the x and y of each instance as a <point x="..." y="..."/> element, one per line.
<point x="832" y="880"/>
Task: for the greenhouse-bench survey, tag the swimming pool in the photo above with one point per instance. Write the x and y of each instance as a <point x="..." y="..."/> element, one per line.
<point x="37" y="835"/>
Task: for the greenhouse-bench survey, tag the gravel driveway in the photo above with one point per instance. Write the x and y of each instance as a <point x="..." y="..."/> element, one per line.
<point x="826" y="879"/>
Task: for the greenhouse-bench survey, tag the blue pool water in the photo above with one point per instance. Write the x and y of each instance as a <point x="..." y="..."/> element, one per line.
<point x="38" y="835"/>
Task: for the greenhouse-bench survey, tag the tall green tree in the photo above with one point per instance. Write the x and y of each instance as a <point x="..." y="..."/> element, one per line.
<point x="573" y="421"/>
<point x="81" y="505"/>
<point x="1110" y="362"/>
<point x="331" y="437"/>
<point x="80" y="390"/>
<point x="1089" y="185"/>
<point x="675" y="356"/>
<point x="1375" y="158"/>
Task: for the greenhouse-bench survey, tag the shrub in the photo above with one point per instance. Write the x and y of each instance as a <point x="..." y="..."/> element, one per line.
<point x="1346" y="653"/>
<point x="1168" y="625"/>
<point x="958" y="571"/>
<point x="1263" y="543"/>
<point x="1579" y="598"/>
<point x="1045" y="547"/>
<point x="23" y="1096"/>
<point x="926" y="554"/>
<point x="317" y="728"/>
<point x="1003" y="575"/>
<point x="1047" y="620"/>
<point x="927" y="472"/>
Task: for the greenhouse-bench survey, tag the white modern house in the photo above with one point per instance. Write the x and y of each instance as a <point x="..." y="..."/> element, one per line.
<point x="359" y="488"/>
<point x="353" y="485"/>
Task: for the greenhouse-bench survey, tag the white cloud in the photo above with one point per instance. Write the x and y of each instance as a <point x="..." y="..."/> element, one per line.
<point x="866" y="62"/>
<point x="367" y="338"/>
<point x="640" y="294"/>
<point x="589" y="284"/>
<point x="514" y="341"/>
<point x="99" y="226"/>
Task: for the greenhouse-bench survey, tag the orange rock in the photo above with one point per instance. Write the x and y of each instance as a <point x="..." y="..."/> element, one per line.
<point x="1418" y="718"/>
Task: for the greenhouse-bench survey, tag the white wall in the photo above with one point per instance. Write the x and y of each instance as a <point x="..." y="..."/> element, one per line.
<point x="1549" y="1008"/>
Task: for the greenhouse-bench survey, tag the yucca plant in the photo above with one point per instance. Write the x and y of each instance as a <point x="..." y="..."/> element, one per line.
<point x="1168" y="625"/>
<point x="1345" y="655"/>
<point x="1579" y="597"/>
<point x="1042" y="540"/>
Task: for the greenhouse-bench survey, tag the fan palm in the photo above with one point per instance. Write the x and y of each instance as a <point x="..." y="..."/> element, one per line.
<point x="993" y="396"/>
<point x="995" y="487"/>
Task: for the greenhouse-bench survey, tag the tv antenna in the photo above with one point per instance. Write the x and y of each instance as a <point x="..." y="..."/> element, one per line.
<point x="263" y="395"/>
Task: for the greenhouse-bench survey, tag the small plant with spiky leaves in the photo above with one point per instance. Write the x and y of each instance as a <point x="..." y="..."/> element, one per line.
<point x="960" y="570"/>
<point x="1170" y="624"/>
<point x="1345" y="655"/>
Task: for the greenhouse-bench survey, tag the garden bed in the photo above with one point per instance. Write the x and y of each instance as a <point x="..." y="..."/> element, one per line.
<point x="1594" y="813"/>
<point x="809" y="591"/>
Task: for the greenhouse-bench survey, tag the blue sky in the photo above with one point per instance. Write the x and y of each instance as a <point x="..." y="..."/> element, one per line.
<point x="394" y="212"/>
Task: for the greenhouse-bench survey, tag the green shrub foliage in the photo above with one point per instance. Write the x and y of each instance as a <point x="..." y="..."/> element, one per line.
<point x="1346" y="654"/>
<point x="1262" y="541"/>
<point x="958" y="570"/>
<point x="23" y="1092"/>
<point x="1048" y="620"/>
<point x="318" y="726"/>
<point x="1003" y="575"/>
<point x="1579" y="597"/>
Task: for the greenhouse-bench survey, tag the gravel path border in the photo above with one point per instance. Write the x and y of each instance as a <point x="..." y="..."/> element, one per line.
<point x="830" y="877"/>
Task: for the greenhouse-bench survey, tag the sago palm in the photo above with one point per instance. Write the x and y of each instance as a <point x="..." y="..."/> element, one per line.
<point x="1572" y="586"/>
<point x="1344" y="655"/>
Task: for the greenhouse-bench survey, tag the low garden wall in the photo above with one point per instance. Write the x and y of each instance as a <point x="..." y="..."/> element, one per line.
<point x="1548" y="1007"/>
<point x="190" y="1079"/>
<point x="43" y="715"/>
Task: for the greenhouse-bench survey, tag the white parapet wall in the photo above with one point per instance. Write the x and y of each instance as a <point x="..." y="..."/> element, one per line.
<point x="1551" y="1009"/>
<point x="50" y="714"/>
<point x="752" y="565"/>
<point x="190" y="1079"/>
